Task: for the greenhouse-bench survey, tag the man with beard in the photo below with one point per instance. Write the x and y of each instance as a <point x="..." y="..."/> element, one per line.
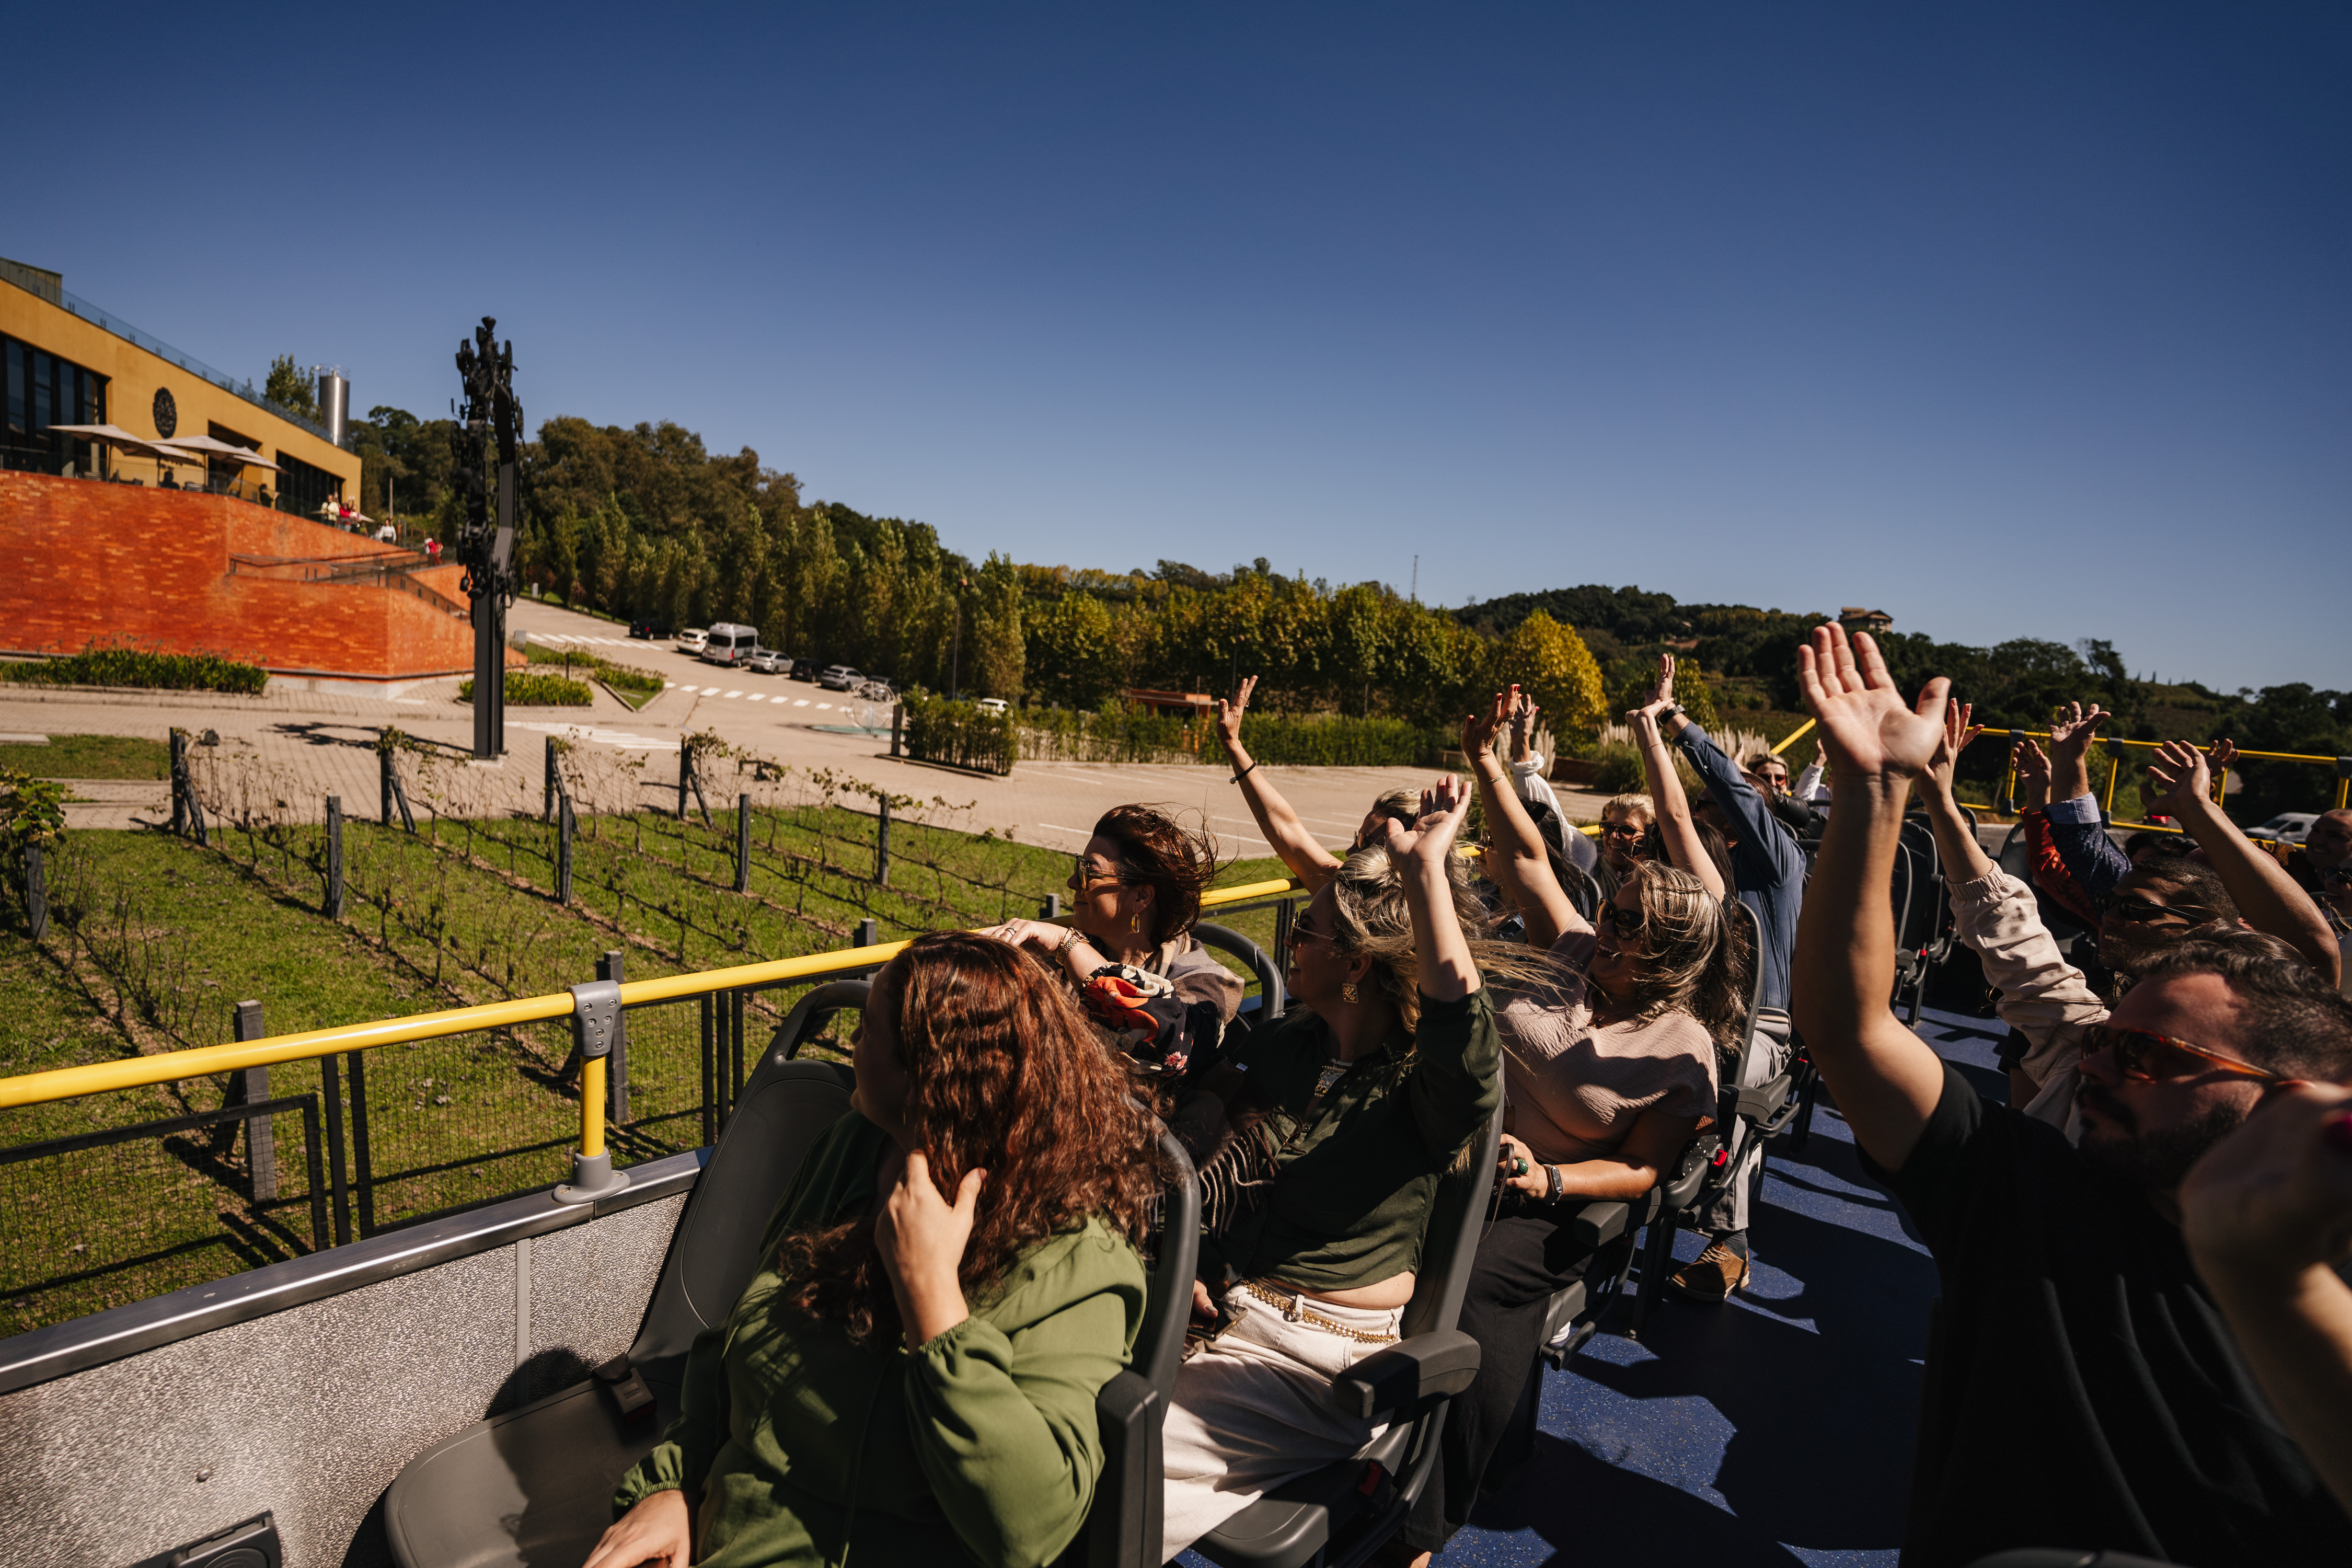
<point x="2081" y="1391"/>
<point x="2151" y="909"/>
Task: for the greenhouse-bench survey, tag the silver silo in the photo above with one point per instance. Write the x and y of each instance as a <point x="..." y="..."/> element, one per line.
<point x="334" y="403"/>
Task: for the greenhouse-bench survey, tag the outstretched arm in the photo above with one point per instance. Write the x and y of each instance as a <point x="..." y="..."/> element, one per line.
<point x="1516" y="861"/>
<point x="1440" y="951"/>
<point x="2265" y="1213"/>
<point x="1684" y="845"/>
<point x="2266" y="895"/>
<point x="1964" y="858"/>
<point x="1308" y="861"/>
<point x="1885" y="1079"/>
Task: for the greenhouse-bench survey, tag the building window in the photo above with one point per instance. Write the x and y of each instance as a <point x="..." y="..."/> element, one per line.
<point x="43" y="390"/>
<point x="301" y="487"/>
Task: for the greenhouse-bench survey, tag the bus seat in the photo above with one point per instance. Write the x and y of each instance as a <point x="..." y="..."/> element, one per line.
<point x="1340" y="1514"/>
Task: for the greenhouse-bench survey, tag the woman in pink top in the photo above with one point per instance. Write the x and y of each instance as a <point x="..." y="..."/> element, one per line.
<point x="1606" y="1076"/>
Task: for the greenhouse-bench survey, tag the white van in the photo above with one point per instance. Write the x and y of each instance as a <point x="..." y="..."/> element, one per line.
<point x="730" y="643"/>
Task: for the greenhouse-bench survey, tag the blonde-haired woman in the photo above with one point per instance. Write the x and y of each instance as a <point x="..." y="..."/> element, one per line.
<point x="1342" y="1119"/>
<point x="1607" y="1074"/>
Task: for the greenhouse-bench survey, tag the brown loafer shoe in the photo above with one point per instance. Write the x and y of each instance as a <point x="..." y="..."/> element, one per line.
<point x="1712" y="1276"/>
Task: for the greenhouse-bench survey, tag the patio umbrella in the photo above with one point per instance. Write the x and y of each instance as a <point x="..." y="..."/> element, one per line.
<point x="110" y="436"/>
<point x="200" y="447"/>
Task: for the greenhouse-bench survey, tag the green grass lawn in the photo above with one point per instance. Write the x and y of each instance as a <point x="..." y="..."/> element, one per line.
<point x="462" y="912"/>
<point x="90" y="757"/>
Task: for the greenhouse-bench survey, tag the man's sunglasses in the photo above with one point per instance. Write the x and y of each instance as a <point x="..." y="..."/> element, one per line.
<point x="2139" y="911"/>
<point x="1620" y="830"/>
<point x="2137" y="1049"/>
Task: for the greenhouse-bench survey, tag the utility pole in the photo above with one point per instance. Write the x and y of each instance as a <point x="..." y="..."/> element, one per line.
<point x="1416" y="579"/>
<point x="485" y="543"/>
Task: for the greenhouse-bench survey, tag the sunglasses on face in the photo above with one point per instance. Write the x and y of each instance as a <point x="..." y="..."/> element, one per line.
<point x="2138" y="911"/>
<point x="2142" y="1053"/>
<point x="1620" y="830"/>
<point x="1086" y="874"/>
<point x="1626" y="923"/>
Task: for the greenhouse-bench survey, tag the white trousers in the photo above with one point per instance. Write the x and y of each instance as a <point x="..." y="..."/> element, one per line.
<point x="1252" y="1408"/>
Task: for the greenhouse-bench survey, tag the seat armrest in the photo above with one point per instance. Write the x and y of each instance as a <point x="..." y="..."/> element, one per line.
<point x="1407" y="1374"/>
<point x="1758" y="1104"/>
<point x="1678" y="1193"/>
<point x="1600" y="1223"/>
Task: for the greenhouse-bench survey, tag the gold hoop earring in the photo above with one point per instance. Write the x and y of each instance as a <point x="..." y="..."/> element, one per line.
<point x="1134" y="923"/>
<point x="1347" y="991"/>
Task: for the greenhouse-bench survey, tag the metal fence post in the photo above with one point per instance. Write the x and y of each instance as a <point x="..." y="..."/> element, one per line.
<point x="596" y="1013"/>
<point x="735" y="1046"/>
<point x="179" y="781"/>
<point x="334" y="857"/>
<point x="882" y="844"/>
<point x="685" y="774"/>
<point x="742" y="843"/>
<point x="711" y="1086"/>
<point x="616" y="1075"/>
<point x="363" y="1158"/>
<point x="866" y="934"/>
<point x="260" y="1137"/>
<point x="383" y="781"/>
<point x="898" y="727"/>
<point x="546" y="801"/>
<point x="1051" y="910"/>
<point x="564" y="828"/>
<point x="331" y="1099"/>
<point x="36" y="892"/>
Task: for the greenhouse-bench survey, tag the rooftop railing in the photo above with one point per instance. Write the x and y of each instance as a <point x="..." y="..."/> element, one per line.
<point x="188" y="362"/>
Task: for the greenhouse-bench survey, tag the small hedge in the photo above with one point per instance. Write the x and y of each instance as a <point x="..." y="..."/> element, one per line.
<point x="1110" y="735"/>
<point x="536" y="689"/>
<point x="619" y="677"/>
<point x="144" y="668"/>
<point x="1332" y="743"/>
<point x="960" y="734"/>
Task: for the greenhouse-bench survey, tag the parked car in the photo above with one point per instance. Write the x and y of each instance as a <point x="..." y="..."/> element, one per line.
<point x="839" y="677"/>
<point x="992" y="705"/>
<point x="651" y="631"/>
<point x="691" y="639"/>
<point x="766" y="660"/>
<point x="803" y="669"/>
<point x="730" y="643"/>
<point x="2286" y="828"/>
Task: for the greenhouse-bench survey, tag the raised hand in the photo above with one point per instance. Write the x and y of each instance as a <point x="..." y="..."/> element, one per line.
<point x="1957" y="733"/>
<point x="1479" y="730"/>
<point x="1523" y="724"/>
<point x="1443" y="807"/>
<point x="2183" y="782"/>
<point x="2032" y="767"/>
<point x="1662" y="695"/>
<point x="1867" y="728"/>
<point x="2274" y="1198"/>
<point x="1229" y="714"/>
<point x="922" y="1237"/>
<point x="2070" y="734"/>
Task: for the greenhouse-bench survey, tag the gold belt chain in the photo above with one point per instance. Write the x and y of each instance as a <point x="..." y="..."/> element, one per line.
<point x="1296" y="1310"/>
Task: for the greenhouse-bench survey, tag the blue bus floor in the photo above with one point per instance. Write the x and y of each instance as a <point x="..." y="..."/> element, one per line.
<point x="1776" y="1429"/>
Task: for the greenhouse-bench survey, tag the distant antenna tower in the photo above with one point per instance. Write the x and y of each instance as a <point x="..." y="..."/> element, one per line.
<point x="1416" y="579"/>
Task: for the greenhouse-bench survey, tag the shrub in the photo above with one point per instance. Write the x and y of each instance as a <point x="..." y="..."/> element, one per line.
<point x="960" y="734"/>
<point x="1334" y="742"/>
<point x="536" y="689"/>
<point x="619" y="677"/>
<point x="144" y="668"/>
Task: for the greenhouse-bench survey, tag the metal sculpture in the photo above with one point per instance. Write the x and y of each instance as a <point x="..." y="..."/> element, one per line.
<point x="485" y="543"/>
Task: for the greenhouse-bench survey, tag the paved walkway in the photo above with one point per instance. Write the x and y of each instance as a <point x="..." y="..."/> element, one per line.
<point x="301" y="747"/>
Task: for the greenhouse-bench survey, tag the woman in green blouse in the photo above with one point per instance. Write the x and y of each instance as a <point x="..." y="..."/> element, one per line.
<point x="1342" y="1119"/>
<point x="950" y="1281"/>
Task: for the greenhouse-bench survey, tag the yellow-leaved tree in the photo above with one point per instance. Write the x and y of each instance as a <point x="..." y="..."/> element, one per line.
<point x="1552" y="664"/>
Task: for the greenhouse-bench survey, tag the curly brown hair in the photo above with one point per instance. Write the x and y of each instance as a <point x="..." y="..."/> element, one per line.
<point x="1005" y="1074"/>
<point x="1155" y="851"/>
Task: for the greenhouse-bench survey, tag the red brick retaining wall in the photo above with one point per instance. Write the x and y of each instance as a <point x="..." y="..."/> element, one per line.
<point x="82" y="561"/>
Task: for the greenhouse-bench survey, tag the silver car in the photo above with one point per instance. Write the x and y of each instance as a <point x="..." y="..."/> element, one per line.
<point x="767" y="661"/>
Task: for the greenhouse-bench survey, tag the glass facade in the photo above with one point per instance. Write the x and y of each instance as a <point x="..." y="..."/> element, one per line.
<point x="302" y="488"/>
<point x="43" y="390"/>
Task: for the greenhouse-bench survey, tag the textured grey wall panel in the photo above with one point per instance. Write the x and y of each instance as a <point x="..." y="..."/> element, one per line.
<point x="310" y="1412"/>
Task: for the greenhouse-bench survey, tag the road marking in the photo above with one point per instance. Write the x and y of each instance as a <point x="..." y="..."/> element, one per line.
<point x="739" y="694"/>
<point x="824" y="704"/>
<point x="800" y="702"/>
<point x="1057" y="828"/>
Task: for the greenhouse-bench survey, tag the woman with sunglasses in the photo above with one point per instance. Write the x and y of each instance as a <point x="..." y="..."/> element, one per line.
<point x="1606" y="1072"/>
<point x="1343" y="1118"/>
<point x="1128" y="948"/>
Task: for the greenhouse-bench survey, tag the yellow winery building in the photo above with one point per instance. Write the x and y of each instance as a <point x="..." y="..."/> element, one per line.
<point x="68" y="362"/>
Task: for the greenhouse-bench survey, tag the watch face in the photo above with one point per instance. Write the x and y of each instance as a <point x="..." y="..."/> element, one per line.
<point x="167" y="413"/>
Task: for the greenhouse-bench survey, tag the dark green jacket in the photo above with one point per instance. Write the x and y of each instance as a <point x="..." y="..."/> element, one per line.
<point x="1352" y="1187"/>
<point x="979" y="1448"/>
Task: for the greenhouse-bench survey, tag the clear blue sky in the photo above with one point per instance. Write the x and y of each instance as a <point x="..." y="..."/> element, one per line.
<point x="2025" y="321"/>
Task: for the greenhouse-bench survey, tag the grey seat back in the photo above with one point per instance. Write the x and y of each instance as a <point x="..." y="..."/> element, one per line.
<point x="1224" y="939"/>
<point x="1450" y="1245"/>
<point x="785" y="1107"/>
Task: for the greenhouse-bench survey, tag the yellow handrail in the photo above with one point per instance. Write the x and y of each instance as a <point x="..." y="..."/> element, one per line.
<point x="200" y="1061"/>
<point x="1792" y="737"/>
